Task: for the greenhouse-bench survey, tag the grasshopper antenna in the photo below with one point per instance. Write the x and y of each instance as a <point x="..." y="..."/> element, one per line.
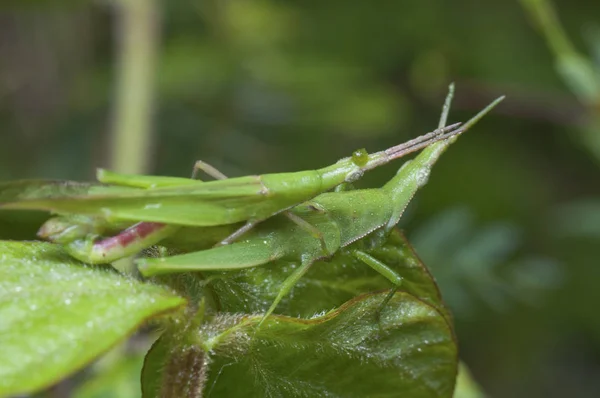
<point x="452" y="131"/>
<point x="423" y="141"/>
<point x="446" y="107"/>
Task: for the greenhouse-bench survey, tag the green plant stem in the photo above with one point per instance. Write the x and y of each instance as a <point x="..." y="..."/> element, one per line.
<point x="137" y="40"/>
<point x="577" y="71"/>
<point x="544" y="15"/>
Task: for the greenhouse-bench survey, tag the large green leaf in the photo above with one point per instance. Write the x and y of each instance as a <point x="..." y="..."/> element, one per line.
<point x="406" y="350"/>
<point x="56" y="314"/>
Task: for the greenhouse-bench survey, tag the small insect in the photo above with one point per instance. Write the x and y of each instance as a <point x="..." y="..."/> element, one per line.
<point x="353" y="222"/>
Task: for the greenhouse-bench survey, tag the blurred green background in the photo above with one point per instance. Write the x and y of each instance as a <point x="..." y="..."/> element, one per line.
<point x="510" y="220"/>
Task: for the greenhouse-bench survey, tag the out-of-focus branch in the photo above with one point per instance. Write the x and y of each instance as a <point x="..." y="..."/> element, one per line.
<point x="577" y="71"/>
<point x="137" y="36"/>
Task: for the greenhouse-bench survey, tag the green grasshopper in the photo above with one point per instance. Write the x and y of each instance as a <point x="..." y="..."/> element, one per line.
<point x="164" y="204"/>
<point x="353" y="222"/>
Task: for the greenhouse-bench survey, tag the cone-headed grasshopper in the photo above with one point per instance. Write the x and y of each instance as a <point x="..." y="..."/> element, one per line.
<point x="350" y="222"/>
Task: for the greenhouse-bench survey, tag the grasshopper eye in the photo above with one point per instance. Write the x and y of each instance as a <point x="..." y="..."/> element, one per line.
<point x="360" y="157"/>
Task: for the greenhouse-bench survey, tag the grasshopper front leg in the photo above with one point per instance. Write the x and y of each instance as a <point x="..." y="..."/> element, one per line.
<point x="208" y="170"/>
<point x="218" y="175"/>
<point x="378" y="266"/>
<point x="305" y="225"/>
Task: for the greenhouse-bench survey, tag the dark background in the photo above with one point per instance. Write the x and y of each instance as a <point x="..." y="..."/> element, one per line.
<point x="510" y="220"/>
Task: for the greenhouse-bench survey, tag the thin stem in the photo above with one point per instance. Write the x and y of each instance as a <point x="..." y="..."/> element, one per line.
<point x="547" y="20"/>
<point x="137" y="40"/>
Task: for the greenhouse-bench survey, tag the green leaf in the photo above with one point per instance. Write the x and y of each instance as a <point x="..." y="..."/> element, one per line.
<point x="56" y="314"/>
<point x="579" y="74"/>
<point x="407" y="349"/>
<point x="153" y="373"/>
<point x="578" y="219"/>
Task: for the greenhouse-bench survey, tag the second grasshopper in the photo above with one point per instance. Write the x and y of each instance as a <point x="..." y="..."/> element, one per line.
<point x="352" y="222"/>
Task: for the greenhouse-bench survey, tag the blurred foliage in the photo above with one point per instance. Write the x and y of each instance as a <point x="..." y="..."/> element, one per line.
<point x="478" y="265"/>
<point x="580" y="73"/>
<point x="466" y="387"/>
<point x="579" y="219"/>
<point x="114" y="376"/>
<point x="257" y="86"/>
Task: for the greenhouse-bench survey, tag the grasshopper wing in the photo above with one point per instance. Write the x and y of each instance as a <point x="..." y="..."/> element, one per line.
<point x="202" y="204"/>
<point x="199" y="204"/>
